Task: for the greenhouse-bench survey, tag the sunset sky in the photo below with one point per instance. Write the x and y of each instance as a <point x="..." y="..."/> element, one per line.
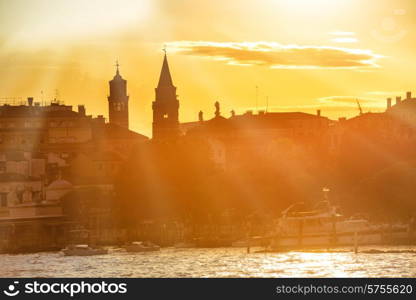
<point x="302" y="54"/>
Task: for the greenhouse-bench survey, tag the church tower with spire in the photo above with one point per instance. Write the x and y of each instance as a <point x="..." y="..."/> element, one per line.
<point x="118" y="101"/>
<point x="166" y="106"/>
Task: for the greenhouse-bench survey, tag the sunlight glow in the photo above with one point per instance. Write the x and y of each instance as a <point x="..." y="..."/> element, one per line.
<point x="345" y="40"/>
<point x="77" y="18"/>
<point x="311" y="7"/>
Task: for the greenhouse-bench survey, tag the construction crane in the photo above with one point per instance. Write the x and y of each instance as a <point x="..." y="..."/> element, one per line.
<point x="359" y="107"/>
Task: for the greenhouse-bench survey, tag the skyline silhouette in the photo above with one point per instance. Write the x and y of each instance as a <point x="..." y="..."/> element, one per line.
<point x="56" y="54"/>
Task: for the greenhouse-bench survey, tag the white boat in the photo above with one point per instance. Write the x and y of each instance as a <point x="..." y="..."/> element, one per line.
<point x="141" y="247"/>
<point x="83" y="250"/>
<point x="324" y="227"/>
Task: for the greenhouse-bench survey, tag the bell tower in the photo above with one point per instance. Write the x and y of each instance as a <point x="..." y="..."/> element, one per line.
<point x="118" y="100"/>
<point x="166" y="106"/>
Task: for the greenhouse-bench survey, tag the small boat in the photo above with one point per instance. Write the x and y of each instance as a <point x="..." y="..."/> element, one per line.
<point x="185" y="245"/>
<point x="83" y="250"/>
<point x="141" y="247"/>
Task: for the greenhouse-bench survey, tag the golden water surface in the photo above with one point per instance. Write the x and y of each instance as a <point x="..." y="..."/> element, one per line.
<point x="220" y="262"/>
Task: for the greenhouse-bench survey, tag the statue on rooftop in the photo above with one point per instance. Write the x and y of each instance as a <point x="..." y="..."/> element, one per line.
<point x="217" y="109"/>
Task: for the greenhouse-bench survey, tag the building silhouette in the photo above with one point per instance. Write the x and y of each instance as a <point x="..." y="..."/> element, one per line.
<point x="52" y="160"/>
<point x="118" y="101"/>
<point x="166" y="106"/>
<point x="265" y="133"/>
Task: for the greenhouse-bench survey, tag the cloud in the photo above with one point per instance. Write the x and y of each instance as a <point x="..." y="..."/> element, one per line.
<point x="345" y="40"/>
<point x="385" y="93"/>
<point x="343" y="37"/>
<point x="342" y="33"/>
<point x="351" y="101"/>
<point x="275" y="55"/>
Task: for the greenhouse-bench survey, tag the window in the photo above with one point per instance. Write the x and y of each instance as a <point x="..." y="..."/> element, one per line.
<point x="117" y="106"/>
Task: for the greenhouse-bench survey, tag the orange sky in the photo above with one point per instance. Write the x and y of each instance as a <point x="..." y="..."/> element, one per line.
<point x="302" y="54"/>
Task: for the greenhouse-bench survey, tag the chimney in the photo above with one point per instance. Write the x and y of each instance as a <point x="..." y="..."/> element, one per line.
<point x="409" y="95"/>
<point x="388" y="103"/>
<point x="30" y="101"/>
<point x="81" y="110"/>
<point x="398" y="100"/>
<point x="318" y="112"/>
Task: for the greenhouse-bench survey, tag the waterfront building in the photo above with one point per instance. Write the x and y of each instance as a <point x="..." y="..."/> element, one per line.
<point x="52" y="158"/>
<point x="263" y="133"/>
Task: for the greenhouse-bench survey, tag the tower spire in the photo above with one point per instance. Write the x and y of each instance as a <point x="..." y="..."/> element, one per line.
<point x="165" y="78"/>
<point x="117" y="65"/>
<point x="166" y="105"/>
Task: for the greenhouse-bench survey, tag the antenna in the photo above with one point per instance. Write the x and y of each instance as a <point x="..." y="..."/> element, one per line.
<point x="257" y="96"/>
<point x="267" y="103"/>
<point x="164" y="49"/>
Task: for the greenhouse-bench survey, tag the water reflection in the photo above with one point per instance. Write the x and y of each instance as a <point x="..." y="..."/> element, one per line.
<point x="223" y="262"/>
